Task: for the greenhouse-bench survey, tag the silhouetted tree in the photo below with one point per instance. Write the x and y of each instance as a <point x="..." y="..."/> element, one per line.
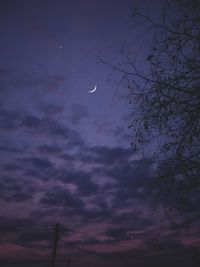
<point x="166" y="103"/>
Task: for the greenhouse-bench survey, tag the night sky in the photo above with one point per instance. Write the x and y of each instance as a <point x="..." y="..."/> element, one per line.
<point x="65" y="153"/>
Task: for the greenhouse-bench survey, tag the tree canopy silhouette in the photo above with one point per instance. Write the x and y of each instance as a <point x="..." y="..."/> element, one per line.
<point x="166" y="101"/>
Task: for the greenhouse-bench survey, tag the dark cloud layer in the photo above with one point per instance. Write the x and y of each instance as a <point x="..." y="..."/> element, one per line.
<point x="57" y="196"/>
<point x="47" y="126"/>
<point x="13" y="190"/>
<point x="67" y="192"/>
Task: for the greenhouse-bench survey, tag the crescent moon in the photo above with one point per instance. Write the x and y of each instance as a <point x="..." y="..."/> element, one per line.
<point x="93" y="90"/>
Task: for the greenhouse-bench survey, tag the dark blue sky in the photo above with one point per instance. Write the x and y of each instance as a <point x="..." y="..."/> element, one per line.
<point x="65" y="153"/>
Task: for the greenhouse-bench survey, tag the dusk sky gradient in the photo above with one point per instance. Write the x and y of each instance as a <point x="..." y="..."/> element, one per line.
<point x="65" y="154"/>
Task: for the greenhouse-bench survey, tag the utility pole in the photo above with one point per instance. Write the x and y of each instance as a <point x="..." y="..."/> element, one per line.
<point x="68" y="262"/>
<point x="55" y="242"/>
